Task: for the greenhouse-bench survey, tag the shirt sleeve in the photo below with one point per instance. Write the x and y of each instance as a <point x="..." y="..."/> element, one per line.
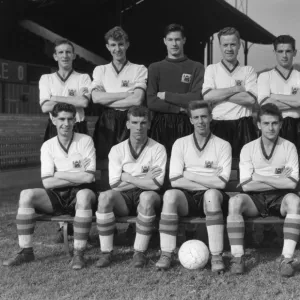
<point x="90" y="153"/>
<point x="176" y="162"/>
<point x="153" y="102"/>
<point x="225" y="162"/>
<point x="114" y="167"/>
<point x="141" y="78"/>
<point x="292" y="162"/>
<point x="47" y="162"/>
<point x="85" y="85"/>
<point x="263" y="87"/>
<point x="251" y="83"/>
<point x="44" y="87"/>
<point x="160" y="160"/>
<point x="97" y="83"/>
<point x="209" y="80"/>
<point x="246" y="166"/>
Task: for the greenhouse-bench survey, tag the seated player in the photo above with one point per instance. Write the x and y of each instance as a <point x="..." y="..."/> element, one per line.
<point x="117" y="86"/>
<point x="281" y="87"/>
<point x="231" y="90"/>
<point x="268" y="175"/>
<point x="136" y="173"/>
<point x="200" y="167"/>
<point x="68" y="165"/>
<point x="64" y="86"/>
<point x="172" y="83"/>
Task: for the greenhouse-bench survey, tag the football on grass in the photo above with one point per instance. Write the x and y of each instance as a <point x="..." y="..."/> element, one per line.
<point x="193" y="254"/>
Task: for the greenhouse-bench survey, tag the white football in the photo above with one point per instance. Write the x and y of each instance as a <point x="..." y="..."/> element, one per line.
<point x="193" y="254"/>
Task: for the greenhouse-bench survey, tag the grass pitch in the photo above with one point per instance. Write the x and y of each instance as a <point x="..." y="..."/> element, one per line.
<point x="50" y="276"/>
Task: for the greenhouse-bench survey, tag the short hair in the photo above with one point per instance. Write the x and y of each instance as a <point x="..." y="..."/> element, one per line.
<point x="197" y="104"/>
<point x="174" y="27"/>
<point x="117" y="33"/>
<point x="284" y="39"/>
<point x="138" y="111"/>
<point x="59" y="107"/>
<point x="269" y="109"/>
<point x="61" y="42"/>
<point x="228" y="31"/>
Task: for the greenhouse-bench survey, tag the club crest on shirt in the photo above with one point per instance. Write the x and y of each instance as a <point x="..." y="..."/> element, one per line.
<point x="145" y="169"/>
<point x="278" y="170"/>
<point x="208" y="164"/>
<point x="125" y="83"/>
<point x="294" y="90"/>
<point x="186" y="78"/>
<point x="239" y="82"/>
<point x="77" y="164"/>
<point x="71" y="92"/>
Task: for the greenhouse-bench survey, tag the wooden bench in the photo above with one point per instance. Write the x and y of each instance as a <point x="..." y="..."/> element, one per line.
<point x="231" y="188"/>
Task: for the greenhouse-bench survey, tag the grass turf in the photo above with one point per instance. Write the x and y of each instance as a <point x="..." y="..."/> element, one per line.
<point x="50" y="276"/>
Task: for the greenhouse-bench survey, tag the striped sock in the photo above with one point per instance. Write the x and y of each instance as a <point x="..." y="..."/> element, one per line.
<point x="106" y="224"/>
<point x="25" y="226"/>
<point x="215" y="231"/>
<point x="144" y="228"/>
<point x="291" y="230"/>
<point x="168" y="227"/>
<point x="82" y="225"/>
<point x="236" y="230"/>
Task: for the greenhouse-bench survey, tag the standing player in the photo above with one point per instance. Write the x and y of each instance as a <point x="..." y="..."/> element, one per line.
<point x="68" y="166"/>
<point x="231" y="90"/>
<point x="269" y="173"/>
<point x="172" y="83"/>
<point x="136" y="173"/>
<point x="199" y="169"/>
<point x="117" y="86"/>
<point x="64" y="86"/>
<point x="281" y="87"/>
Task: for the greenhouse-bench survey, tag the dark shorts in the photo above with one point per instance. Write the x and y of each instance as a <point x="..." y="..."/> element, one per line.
<point x="63" y="200"/>
<point x="289" y="130"/>
<point x="132" y="199"/>
<point x="195" y="201"/>
<point x="236" y="132"/>
<point x="167" y="128"/>
<point x="269" y="202"/>
<point x="79" y="127"/>
<point x="110" y="130"/>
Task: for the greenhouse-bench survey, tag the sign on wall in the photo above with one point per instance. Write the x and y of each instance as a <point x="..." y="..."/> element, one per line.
<point x="12" y="71"/>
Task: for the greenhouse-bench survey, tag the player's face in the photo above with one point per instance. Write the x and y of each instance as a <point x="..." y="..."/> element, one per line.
<point x="230" y="46"/>
<point x="285" y="55"/>
<point x="117" y="49"/>
<point x="201" y="119"/>
<point x="175" y="43"/>
<point x="269" y="126"/>
<point x="64" y="56"/>
<point x="64" y="123"/>
<point x="138" y="127"/>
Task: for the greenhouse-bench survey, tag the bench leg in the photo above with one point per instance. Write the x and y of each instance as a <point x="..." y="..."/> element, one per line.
<point x="66" y="242"/>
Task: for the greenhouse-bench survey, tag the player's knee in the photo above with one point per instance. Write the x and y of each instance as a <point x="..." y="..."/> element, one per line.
<point x="170" y="198"/>
<point x="83" y="202"/>
<point x="147" y="203"/>
<point x="293" y="203"/>
<point x="26" y="198"/>
<point x="212" y="200"/>
<point x="235" y="205"/>
<point x="105" y="201"/>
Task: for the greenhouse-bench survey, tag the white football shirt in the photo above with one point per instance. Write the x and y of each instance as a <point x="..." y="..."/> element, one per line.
<point x="274" y="82"/>
<point x="218" y="76"/>
<point x="123" y="159"/>
<point x="55" y="157"/>
<point x="254" y="159"/>
<point x="107" y="78"/>
<point x="188" y="156"/>
<point x="54" y="85"/>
